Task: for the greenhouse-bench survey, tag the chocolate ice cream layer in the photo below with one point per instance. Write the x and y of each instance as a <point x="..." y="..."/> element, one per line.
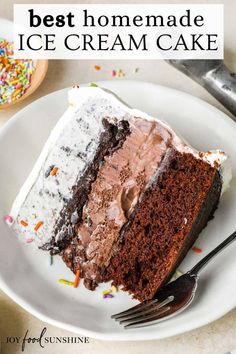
<point x="120" y="181"/>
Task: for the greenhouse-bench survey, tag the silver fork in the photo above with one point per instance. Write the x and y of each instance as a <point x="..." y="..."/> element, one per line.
<point x="171" y="299"/>
<point x="214" y="76"/>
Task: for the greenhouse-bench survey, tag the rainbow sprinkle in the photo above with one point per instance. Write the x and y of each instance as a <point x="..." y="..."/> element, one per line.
<point x="97" y="67"/>
<point x="24" y="223"/>
<point x="105" y="292"/>
<point x="176" y="275"/>
<point x="15" y="74"/>
<point x="77" y="279"/>
<point x="106" y="296"/>
<point x="38" y="225"/>
<point x="54" y="171"/>
<point x="196" y="249"/>
<point x="9" y="219"/>
<point x="50" y="260"/>
<point x="66" y="282"/>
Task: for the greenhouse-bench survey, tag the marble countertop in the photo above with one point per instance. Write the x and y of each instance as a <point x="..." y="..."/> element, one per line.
<point x="216" y="338"/>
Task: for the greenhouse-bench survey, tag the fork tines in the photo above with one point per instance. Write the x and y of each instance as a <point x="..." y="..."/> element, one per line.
<point x="144" y="313"/>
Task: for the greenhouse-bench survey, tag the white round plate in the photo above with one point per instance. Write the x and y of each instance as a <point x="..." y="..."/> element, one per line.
<point x="26" y="275"/>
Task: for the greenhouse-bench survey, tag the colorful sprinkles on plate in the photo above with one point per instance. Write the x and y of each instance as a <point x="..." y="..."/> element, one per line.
<point x="117" y="73"/>
<point x="107" y="294"/>
<point x="74" y="283"/>
<point x="15" y="74"/>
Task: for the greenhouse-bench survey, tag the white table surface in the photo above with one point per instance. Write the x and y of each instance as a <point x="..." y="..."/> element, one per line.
<point x="216" y="338"/>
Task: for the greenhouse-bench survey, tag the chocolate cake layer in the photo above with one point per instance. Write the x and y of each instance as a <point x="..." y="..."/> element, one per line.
<point x="168" y="219"/>
<point x="111" y="139"/>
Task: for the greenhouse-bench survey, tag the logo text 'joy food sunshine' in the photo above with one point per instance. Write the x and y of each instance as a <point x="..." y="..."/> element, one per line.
<point x="43" y="340"/>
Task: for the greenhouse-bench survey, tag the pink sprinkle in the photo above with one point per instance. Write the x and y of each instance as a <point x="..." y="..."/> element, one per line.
<point x="105" y="296"/>
<point x="8" y="219"/>
<point x="29" y="240"/>
<point x="18" y="85"/>
<point x="113" y="73"/>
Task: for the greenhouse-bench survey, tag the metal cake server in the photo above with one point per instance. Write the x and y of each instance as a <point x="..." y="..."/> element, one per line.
<point x="214" y="76"/>
<point x="172" y="298"/>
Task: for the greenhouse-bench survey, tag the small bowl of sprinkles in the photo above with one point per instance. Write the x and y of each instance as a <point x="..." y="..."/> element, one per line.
<point x="19" y="78"/>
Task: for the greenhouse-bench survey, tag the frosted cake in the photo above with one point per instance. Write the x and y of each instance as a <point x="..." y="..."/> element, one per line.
<point x="117" y="193"/>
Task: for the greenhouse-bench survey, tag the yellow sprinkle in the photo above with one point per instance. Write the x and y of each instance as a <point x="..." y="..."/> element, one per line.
<point x="66" y="282"/>
<point x="16" y="93"/>
<point x="176" y="275"/>
<point x="114" y="289"/>
<point x="106" y="292"/>
<point x="179" y="273"/>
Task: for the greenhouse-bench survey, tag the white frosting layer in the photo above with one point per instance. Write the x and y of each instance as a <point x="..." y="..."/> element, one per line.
<point x="70" y="146"/>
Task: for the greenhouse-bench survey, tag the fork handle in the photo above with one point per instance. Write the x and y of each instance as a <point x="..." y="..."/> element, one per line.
<point x="204" y="261"/>
<point x="221" y="83"/>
